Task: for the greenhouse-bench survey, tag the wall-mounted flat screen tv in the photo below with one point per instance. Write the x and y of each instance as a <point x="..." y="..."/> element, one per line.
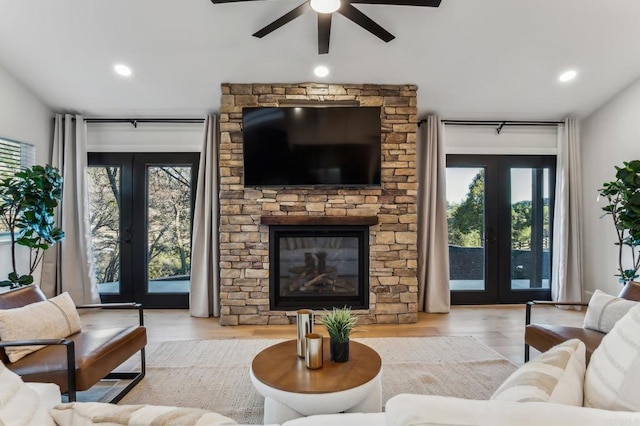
<point x="309" y="146"/>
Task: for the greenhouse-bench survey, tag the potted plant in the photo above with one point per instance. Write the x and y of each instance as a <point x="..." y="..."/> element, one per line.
<point x="339" y="323"/>
<point x="623" y="195"/>
<point x="27" y="203"/>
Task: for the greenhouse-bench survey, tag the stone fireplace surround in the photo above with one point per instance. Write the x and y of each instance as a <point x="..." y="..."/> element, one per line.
<point x="244" y="212"/>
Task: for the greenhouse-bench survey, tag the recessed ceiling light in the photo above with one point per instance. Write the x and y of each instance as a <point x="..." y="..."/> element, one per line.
<point x="567" y="76"/>
<point x="325" y="6"/>
<point x="123" y="70"/>
<point x="321" y="71"/>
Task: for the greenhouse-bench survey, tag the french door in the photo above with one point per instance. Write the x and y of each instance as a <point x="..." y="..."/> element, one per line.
<point x="141" y="210"/>
<point x="500" y="215"/>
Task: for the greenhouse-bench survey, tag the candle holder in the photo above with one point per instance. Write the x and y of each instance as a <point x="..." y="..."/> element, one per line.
<point x="304" y="320"/>
<point x="313" y="351"/>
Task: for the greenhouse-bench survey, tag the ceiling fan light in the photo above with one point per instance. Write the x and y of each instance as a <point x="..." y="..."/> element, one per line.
<point x="325" y="6"/>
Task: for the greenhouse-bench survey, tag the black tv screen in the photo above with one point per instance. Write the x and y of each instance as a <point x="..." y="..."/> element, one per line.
<point x="291" y="146"/>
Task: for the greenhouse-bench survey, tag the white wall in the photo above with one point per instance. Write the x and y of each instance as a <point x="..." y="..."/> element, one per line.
<point x="24" y="118"/>
<point x="512" y="140"/>
<point x="610" y="136"/>
<point x="147" y="137"/>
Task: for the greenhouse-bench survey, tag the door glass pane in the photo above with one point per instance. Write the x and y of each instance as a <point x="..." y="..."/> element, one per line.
<point x="104" y="186"/>
<point x="169" y="229"/>
<point x="465" y="219"/>
<point x="530" y="228"/>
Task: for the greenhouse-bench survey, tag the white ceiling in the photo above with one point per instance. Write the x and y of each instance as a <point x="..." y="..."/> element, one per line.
<point x="492" y="59"/>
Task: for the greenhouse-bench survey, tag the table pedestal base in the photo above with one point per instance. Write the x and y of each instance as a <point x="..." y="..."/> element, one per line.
<point x="280" y="406"/>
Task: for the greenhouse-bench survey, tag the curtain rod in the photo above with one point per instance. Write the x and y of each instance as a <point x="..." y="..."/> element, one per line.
<point x="134" y="121"/>
<point x="500" y="123"/>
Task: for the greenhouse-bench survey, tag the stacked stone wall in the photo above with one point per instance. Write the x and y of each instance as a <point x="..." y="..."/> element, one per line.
<point x="244" y="245"/>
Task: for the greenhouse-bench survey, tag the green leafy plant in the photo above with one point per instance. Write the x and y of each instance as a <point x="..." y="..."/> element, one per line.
<point x="623" y="195"/>
<point x="27" y="203"/>
<point x="339" y="323"/>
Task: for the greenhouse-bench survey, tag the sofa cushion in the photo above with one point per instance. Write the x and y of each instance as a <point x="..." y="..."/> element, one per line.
<point x="425" y="410"/>
<point x="54" y="318"/>
<point x="19" y="404"/>
<point x="96" y="413"/>
<point x="605" y="310"/>
<point x="554" y="376"/>
<point x="612" y="377"/>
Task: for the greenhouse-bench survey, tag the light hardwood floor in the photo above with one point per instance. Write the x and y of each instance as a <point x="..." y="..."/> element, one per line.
<point x="498" y="326"/>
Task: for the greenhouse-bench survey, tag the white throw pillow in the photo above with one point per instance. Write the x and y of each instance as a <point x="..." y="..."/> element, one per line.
<point x="605" y="310"/>
<point x="55" y="318"/>
<point x="613" y="373"/>
<point x="19" y="404"/>
<point x="556" y="375"/>
<point x="95" y="413"/>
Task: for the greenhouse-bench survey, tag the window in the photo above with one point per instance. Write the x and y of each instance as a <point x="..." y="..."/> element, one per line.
<point x="14" y="156"/>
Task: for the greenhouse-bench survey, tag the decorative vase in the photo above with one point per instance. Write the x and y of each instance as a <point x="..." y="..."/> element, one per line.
<point x="304" y="320"/>
<point x="339" y="351"/>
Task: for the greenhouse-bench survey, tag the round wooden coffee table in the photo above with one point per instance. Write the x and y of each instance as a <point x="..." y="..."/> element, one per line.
<point x="291" y="390"/>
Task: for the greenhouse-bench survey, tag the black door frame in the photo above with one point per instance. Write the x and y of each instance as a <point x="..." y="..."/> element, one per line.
<point x="497" y="238"/>
<point x="133" y="223"/>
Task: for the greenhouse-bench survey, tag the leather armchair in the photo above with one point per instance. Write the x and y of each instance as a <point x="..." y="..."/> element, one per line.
<point x="544" y="336"/>
<point x="81" y="360"/>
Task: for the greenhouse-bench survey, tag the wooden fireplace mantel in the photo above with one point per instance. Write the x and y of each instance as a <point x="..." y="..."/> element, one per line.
<point x="319" y="220"/>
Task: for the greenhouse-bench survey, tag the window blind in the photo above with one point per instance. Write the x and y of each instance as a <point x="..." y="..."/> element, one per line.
<point x="15" y="156"/>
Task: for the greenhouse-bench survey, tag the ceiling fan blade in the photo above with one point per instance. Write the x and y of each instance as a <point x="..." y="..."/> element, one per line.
<point x="427" y="3"/>
<point x="284" y="19"/>
<point x="324" y="32"/>
<point x="365" y="22"/>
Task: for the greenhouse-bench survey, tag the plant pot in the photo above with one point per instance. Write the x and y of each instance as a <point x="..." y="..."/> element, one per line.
<point x="339" y="351"/>
<point x="631" y="291"/>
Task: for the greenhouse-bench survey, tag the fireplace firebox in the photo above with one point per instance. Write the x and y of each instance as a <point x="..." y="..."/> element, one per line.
<point x="318" y="266"/>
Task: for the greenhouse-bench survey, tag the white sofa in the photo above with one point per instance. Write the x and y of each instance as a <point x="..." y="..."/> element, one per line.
<point x="401" y="410"/>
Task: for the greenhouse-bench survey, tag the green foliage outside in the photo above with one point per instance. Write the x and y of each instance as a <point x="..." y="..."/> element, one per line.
<point x="168" y="222"/>
<point x="466" y="219"/>
<point x="27" y="205"/>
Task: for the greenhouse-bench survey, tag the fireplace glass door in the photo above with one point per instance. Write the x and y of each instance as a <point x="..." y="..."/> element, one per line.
<point x="318" y="266"/>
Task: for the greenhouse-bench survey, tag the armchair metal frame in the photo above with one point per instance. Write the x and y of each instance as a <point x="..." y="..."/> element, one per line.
<point x="527" y="319"/>
<point x="134" y="376"/>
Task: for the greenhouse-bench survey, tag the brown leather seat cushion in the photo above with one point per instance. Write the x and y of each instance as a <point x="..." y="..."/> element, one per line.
<point x="98" y="352"/>
<point x="544" y="337"/>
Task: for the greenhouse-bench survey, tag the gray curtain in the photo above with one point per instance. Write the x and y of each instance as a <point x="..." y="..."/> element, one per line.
<point x="566" y="281"/>
<point x="68" y="266"/>
<point x="205" y="267"/>
<point x="433" y="245"/>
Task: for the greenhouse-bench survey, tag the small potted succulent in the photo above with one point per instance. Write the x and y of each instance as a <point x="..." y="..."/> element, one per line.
<point x="339" y="323"/>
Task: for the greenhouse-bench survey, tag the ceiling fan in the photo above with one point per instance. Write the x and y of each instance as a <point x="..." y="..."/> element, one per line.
<point x="325" y="10"/>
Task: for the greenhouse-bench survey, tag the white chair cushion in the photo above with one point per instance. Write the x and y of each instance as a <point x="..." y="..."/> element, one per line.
<point x="55" y="318"/>
<point x="613" y="373"/>
<point x="605" y="310"/>
<point x="556" y="375"/>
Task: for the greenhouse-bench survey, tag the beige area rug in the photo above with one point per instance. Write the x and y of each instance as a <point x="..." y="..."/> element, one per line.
<point x="214" y="374"/>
